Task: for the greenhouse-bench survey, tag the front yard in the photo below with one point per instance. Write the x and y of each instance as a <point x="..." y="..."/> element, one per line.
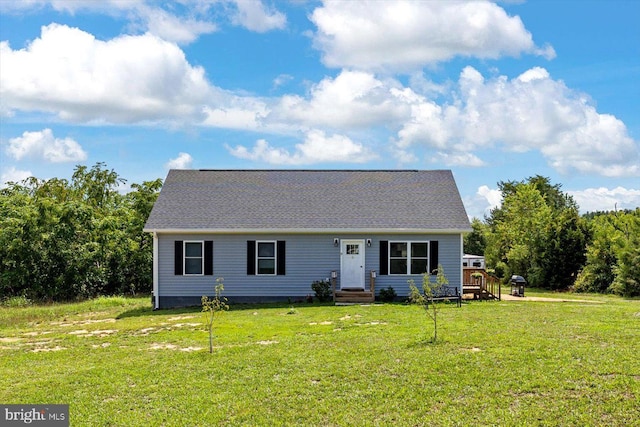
<point x="117" y="362"/>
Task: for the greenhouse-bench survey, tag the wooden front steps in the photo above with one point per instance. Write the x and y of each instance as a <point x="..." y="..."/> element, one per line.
<point x="354" y="297"/>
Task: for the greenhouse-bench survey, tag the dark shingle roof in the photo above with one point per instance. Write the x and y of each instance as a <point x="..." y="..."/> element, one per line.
<point x="313" y="200"/>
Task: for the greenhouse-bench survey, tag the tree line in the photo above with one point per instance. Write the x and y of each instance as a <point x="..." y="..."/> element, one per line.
<point x="538" y="233"/>
<point x="62" y="240"/>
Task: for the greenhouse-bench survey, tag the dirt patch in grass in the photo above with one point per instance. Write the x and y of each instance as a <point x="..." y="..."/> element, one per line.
<point x="47" y="349"/>
<point x="35" y="334"/>
<point x="171" y="319"/>
<point x="83" y="322"/>
<point x="167" y="346"/>
<point x="98" y="333"/>
<point x="103" y="345"/>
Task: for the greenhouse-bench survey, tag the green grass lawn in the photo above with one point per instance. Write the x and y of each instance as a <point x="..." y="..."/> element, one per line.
<point x="117" y="362"/>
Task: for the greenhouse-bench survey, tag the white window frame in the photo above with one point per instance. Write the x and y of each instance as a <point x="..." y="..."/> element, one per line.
<point x="275" y="257"/>
<point x="409" y="256"/>
<point x="184" y="257"/>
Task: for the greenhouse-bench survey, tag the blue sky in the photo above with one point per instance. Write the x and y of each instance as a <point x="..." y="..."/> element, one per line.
<point x="494" y="91"/>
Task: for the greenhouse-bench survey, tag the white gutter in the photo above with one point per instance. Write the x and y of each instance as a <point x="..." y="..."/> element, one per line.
<point x="155" y="272"/>
<point x="461" y="257"/>
<point x="307" y="230"/>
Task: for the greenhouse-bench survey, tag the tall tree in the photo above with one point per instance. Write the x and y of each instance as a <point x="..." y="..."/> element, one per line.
<point x="613" y="254"/>
<point x="537" y="233"/>
<point x="476" y="241"/>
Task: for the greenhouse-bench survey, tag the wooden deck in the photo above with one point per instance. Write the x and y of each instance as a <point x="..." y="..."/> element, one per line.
<point x="480" y="285"/>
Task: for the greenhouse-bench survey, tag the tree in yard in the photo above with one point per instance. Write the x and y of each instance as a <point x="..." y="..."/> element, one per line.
<point x="515" y="243"/>
<point x="476" y="241"/>
<point x="613" y="255"/>
<point x="537" y="233"/>
<point x="425" y="298"/>
<point x="212" y="306"/>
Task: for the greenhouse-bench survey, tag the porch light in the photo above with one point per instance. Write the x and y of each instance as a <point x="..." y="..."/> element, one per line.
<point x="334" y="274"/>
<point x="369" y="243"/>
<point x="336" y="242"/>
<point x="373" y="274"/>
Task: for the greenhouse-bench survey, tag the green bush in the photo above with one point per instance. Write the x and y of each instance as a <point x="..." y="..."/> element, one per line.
<point x="388" y="294"/>
<point x="322" y="288"/>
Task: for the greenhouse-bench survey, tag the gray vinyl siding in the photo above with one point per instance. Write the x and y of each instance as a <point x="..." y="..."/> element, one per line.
<point x="308" y="258"/>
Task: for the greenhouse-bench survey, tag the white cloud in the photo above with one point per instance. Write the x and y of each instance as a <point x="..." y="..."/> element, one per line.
<point x="530" y="112"/>
<point x="173" y="28"/>
<point x="124" y="80"/>
<point x="144" y="16"/>
<point x="492" y="195"/>
<point x="254" y="16"/>
<point x="180" y="23"/>
<point x="13" y="175"/>
<point x="43" y="145"/>
<point x="282" y="80"/>
<point x="317" y="148"/>
<point x="407" y="35"/>
<point x="459" y="159"/>
<point x="481" y="204"/>
<point x="183" y="161"/>
<point x="351" y="100"/>
<point x="238" y="112"/>
<point x="605" y="199"/>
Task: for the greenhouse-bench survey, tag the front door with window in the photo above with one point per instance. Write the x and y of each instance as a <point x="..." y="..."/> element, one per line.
<point x="352" y="264"/>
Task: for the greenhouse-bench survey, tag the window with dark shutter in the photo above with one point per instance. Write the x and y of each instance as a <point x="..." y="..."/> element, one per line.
<point x="408" y="257"/>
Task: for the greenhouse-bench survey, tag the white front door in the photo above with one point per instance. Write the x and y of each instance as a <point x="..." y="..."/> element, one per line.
<point x="352" y="264"/>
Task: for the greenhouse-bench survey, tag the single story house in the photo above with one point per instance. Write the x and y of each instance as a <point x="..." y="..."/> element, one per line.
<point x="270" y="233"/>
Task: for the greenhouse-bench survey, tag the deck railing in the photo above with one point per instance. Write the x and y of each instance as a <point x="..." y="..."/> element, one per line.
<point x="478" y="279"/>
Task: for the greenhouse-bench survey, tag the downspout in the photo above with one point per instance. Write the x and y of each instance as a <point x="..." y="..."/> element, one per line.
<point x="155" y="272"/>
<point x="461" y="257"/>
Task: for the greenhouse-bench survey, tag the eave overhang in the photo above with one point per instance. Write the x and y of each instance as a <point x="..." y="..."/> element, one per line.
<point x="308" y="230"/>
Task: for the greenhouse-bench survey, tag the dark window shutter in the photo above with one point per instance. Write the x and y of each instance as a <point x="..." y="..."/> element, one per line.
<point x="178" y="258"/>
<point x="384" y="257"/>
<point x="251" y="257"/>
<point x="208" y="258"/>
<point x="282" y="258"/>
<point x="433" y="256"/>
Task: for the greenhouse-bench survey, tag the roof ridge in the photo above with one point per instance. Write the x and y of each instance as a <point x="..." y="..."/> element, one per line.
<point x="315" y="170"/>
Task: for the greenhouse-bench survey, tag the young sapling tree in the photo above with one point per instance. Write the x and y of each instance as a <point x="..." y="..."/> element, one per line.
<point x="425" y="297"/>
<point x="212" y="306"/>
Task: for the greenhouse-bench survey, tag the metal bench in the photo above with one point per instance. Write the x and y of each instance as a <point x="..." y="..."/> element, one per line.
<point x="447" y="293"/>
